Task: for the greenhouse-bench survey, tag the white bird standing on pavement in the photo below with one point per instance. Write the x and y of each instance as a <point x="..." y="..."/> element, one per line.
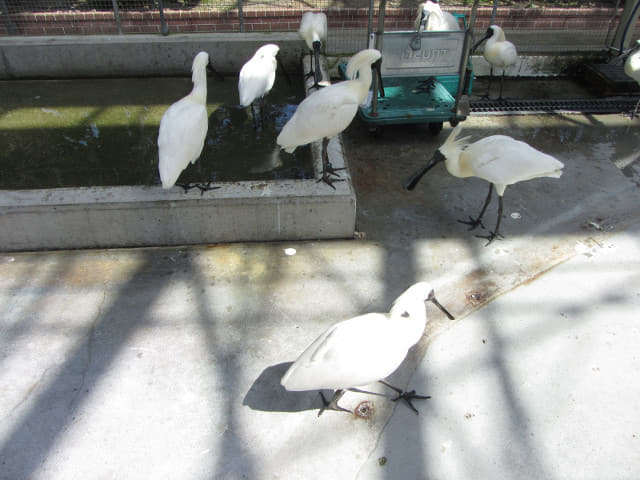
<point x="364" y="349"/>
<point x="498" y="159"/>
<point x="258" y="75"/>
<point x="329" y="111"/>
<point x="432" y="18"/>
<point x="183" y="126"/>
<point x="498" y="51"/>
<point x="632" y="68"/>
<point x="313" y="29"/>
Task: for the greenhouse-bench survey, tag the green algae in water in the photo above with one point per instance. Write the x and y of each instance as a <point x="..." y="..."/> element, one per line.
<point x="103" y="132"/>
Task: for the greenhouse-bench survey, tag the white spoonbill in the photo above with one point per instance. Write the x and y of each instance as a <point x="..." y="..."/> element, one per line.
<point x="632" y="68"/>
<point x="258" y="75"/>
<point x="313" y="30"/>
<point x="432" y="18"/>
<point x="329" y="111"/>
<point x="363" y="349"/>
<point x="184" y="126"/>
<point x="498" y="51"/>
<point x="498" y="159"/>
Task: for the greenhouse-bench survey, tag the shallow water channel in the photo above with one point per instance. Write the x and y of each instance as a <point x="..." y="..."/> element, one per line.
<point x="103" y="132"/>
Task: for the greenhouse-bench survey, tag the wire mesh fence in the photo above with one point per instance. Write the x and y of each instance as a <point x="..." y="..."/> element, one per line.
<point x="550" y="26"/>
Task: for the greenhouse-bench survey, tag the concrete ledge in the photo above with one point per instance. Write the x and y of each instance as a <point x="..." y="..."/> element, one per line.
<point x="130" y="216"/>
<point x="100" y="217"/>
<point x="135" y="55"/>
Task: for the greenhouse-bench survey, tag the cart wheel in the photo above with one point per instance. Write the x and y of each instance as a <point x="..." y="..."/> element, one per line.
<point x="453" y="123"/>
<point x="435" y="128"/>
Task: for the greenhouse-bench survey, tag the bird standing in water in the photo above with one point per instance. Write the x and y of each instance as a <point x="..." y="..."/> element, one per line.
<point x="184" y="126"/>
<point x="257" y="77"/>
<point x="364" y="349"/>
<point x="498" y="159"/>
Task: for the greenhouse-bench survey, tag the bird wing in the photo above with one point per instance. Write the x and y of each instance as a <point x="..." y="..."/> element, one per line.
<point x="503" y="161"/>
<point x="501" y="54"/>
<point x="352" y="353"/>
<point x="324" y="113"/>
<point x="256" y="79"/>
<point x="183" y="129"/>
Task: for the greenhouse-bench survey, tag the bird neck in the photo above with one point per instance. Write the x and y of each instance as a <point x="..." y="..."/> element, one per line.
<point x="199" y="92"/>
<point x="363" y="80"/>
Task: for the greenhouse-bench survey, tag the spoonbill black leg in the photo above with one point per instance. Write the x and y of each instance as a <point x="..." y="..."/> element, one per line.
<point x="474" y="222"/>
<point x="489" y="83"/>
<point x="327" y="168"/>
<point x="406" y="396"/>
<point x="496" y="233"/>
<point x="333" y="403"/>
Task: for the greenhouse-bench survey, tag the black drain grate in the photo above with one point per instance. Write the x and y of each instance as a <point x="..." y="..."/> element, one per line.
<point x="595" y="105"/>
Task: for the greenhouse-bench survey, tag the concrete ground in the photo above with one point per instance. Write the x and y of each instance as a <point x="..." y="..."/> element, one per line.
<point x="165" y="362"/>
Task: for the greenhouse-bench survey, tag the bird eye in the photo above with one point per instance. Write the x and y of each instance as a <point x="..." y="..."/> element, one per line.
<point x="405" y="315"/>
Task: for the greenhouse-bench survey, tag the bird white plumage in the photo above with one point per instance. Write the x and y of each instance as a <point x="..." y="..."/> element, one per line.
<point x="632" y="68"/>
<point x="184" y="126"/>
<point x="258" y="74"/>
<point x="498" y="159"/>
<point x="363" y="349"/>
<point x="436" y="19"/>
<point x="313" y="30"/>
<point x="329" y="111"/>
<point x="498" y="51"/>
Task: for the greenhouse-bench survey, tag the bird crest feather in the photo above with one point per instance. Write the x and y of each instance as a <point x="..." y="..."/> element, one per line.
<point x="453" y="146"/>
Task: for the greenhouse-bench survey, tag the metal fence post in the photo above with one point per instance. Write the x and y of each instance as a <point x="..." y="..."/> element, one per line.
<point x="493" y="12"/>
<point x="164" y="29"/>
<point x="11" y="29"/>
<point x="116" y="14"/>
<point x="240" y="16"/>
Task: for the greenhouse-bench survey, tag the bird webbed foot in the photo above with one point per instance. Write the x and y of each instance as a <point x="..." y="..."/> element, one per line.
<point x="491" y="237"/>
<point x="473" y="222"/>
<point x="333" y="171"/>
<point x="333" y="403"/>
<point x="406" y="396"/>
<point x="203" y="187"/>
<point x="329" y="180"/>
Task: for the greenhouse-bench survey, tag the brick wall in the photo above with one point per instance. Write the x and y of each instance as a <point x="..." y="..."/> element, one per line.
<point x="271" y="20"/>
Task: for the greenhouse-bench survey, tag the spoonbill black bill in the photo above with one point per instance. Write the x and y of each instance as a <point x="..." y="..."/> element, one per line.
<point x="498" y="51"/>
<point x="257" y="76"/>
<point x="498" y="159"/>
<point x="183" y="127"/>
<point x="328" y="111"/>
<point x="364" y="349"/>
<point x="313" y="30"/>
<point x="632" y="68"/>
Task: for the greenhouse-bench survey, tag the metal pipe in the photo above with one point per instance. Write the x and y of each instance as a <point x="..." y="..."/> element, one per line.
<point x="464" y="59"/>
<point x="116" y="14"/>
<point x="493" y="12"/>
<point x="369" y="24"/>
<point x="164" y="29"/>
<point x="376" y="78"/>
